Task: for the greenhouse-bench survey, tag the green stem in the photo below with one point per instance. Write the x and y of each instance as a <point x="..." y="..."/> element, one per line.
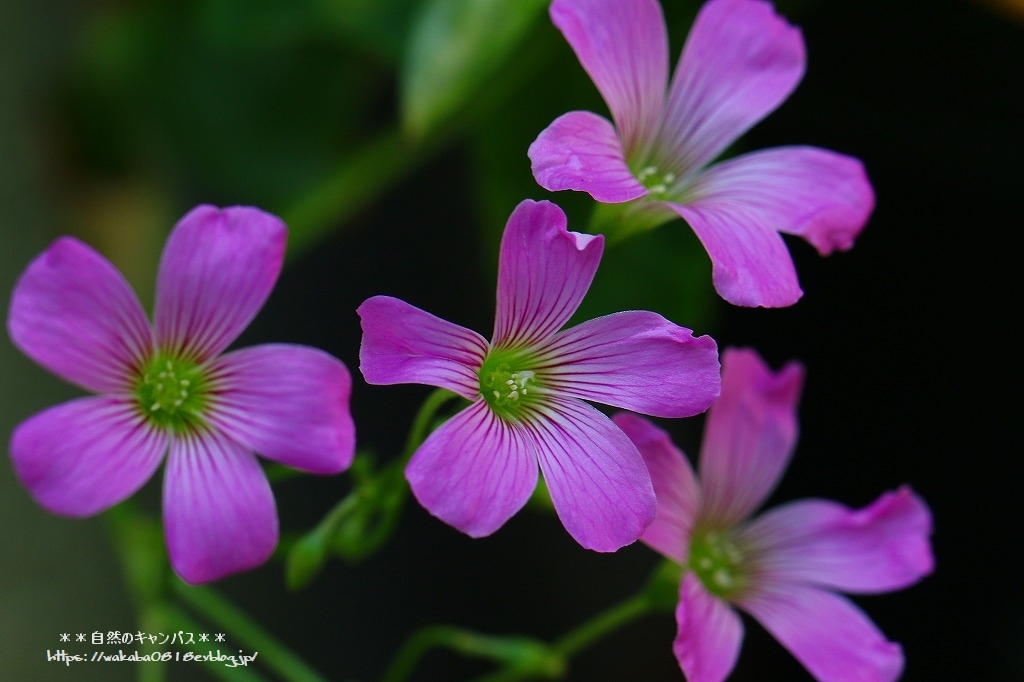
<point x="361" y="179"/>
<point x="414" y="649"/>
<point x="580" y="638"/>
<point x="618" y="222"/>
<point x="181" y="621"/>
<point x="422" y="423"/>
<point x="387" y="490"/>
<point x="604" y="623"/>
<point x="361" y="522"/>
<point x="139" y="544"/>
<point x="522" y="658"/>
<point x="520" y="653"/>
<point x="272" y="653"/>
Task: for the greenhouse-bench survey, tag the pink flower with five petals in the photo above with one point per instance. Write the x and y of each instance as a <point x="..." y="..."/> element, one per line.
<point x="527" y="388"/>
<point x="740" y="62"/>
<point x="170" y="390"/>
<point x="786" y="566"/>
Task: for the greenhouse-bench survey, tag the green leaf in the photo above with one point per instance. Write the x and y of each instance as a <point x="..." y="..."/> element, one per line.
<point x="455" y="47"/>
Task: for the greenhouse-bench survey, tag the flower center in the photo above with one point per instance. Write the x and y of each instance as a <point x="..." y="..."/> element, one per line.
<point x="718" y="562"/>
<point x="173" y="392"/>
<point x="506" y="384"/>
<point x="656" y="182"/>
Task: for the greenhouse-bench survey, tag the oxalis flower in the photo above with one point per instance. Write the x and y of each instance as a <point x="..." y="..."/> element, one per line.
<point x="740" y="62"/>
<point x="527" y="387"/>
<point x="784" y="566"/>
<point x="168" y="390"/>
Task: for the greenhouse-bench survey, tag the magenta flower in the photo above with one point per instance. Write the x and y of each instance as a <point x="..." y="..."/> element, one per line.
<point x="527" y="388"/>
<point x="784" y="566"/>
<point x="167" y="389"/>
<point x="740" y="62"/>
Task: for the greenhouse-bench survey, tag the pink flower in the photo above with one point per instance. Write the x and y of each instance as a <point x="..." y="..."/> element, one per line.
<point x="167" y="389"/>
<point x="527" y="387"/>
<point x="740" y="62"/>
<point x="785" y="566"/>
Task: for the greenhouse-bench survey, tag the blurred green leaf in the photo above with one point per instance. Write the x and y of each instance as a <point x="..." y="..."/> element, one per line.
<point x="454" y="47"/>
<point x="379" y="27"/>
<point x="234" y="102"/>
<point x="305" y="560"/>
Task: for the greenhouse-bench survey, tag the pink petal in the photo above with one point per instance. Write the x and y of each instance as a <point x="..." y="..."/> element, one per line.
<point x="217" y="270"/>
<point x="84" y="456"/>
<point x="882" y="547"/>
<point x="635" y="360"/>
<point x="287" y="403"/>
<point x="219" y="513"/>
<point x="822" y="196"/>
<point x="830" y="636"/>
<point x="543" y="273"/>
<point x="740" y="62"/>
<point x="675" y="487"/>
<point x="74" y="314"/>
<point x="581" y="151"/>
<point x="405" y="345"/>
<point x="624" y="48"/>
<point x="475" y="471"/>
<point x="709" y="633"/>
<point x="597" y="479"/>
<point x="750" y="264"/>
<point x="749" y="435"/>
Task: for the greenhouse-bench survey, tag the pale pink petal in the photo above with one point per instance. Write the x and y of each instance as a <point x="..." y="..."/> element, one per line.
<point x="709" y="633"/>
<point x="219" y="513"/>
<point x="636" y="360"/>
<point x="74" y="314"/>
<point x="750" y="264"/>
<point x="543" y="273"/>
<point x="581" y="151"/>
<point x="84" y="456"/>
<point x="740" y="62"/>
<point x="623" y="46"/>
<point x="475" y="471"/>
<point x="287" y="403"/>
<point x="830" y="636"/>
<point x="822" y="196"/>
<point x="598" y="482"/>
<point x="405" y="345"/>
<point x="217" y="270"/>
<point x="883" y="547"/>
<point x="675" y="487"/>
<point x="749" y="435"/>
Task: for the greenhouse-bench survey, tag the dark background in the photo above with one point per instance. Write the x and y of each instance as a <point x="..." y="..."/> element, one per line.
<point x="911" y="368"/>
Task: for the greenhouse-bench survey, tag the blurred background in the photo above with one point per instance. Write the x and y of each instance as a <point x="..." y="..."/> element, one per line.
<point x="391" y="135"/>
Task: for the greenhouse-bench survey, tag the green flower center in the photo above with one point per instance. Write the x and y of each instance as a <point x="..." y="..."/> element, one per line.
<point x="173" y="392"/>
<point x="656" y="182"/>
<point x="719" y="563"/>
<point x="507" y="384"/>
